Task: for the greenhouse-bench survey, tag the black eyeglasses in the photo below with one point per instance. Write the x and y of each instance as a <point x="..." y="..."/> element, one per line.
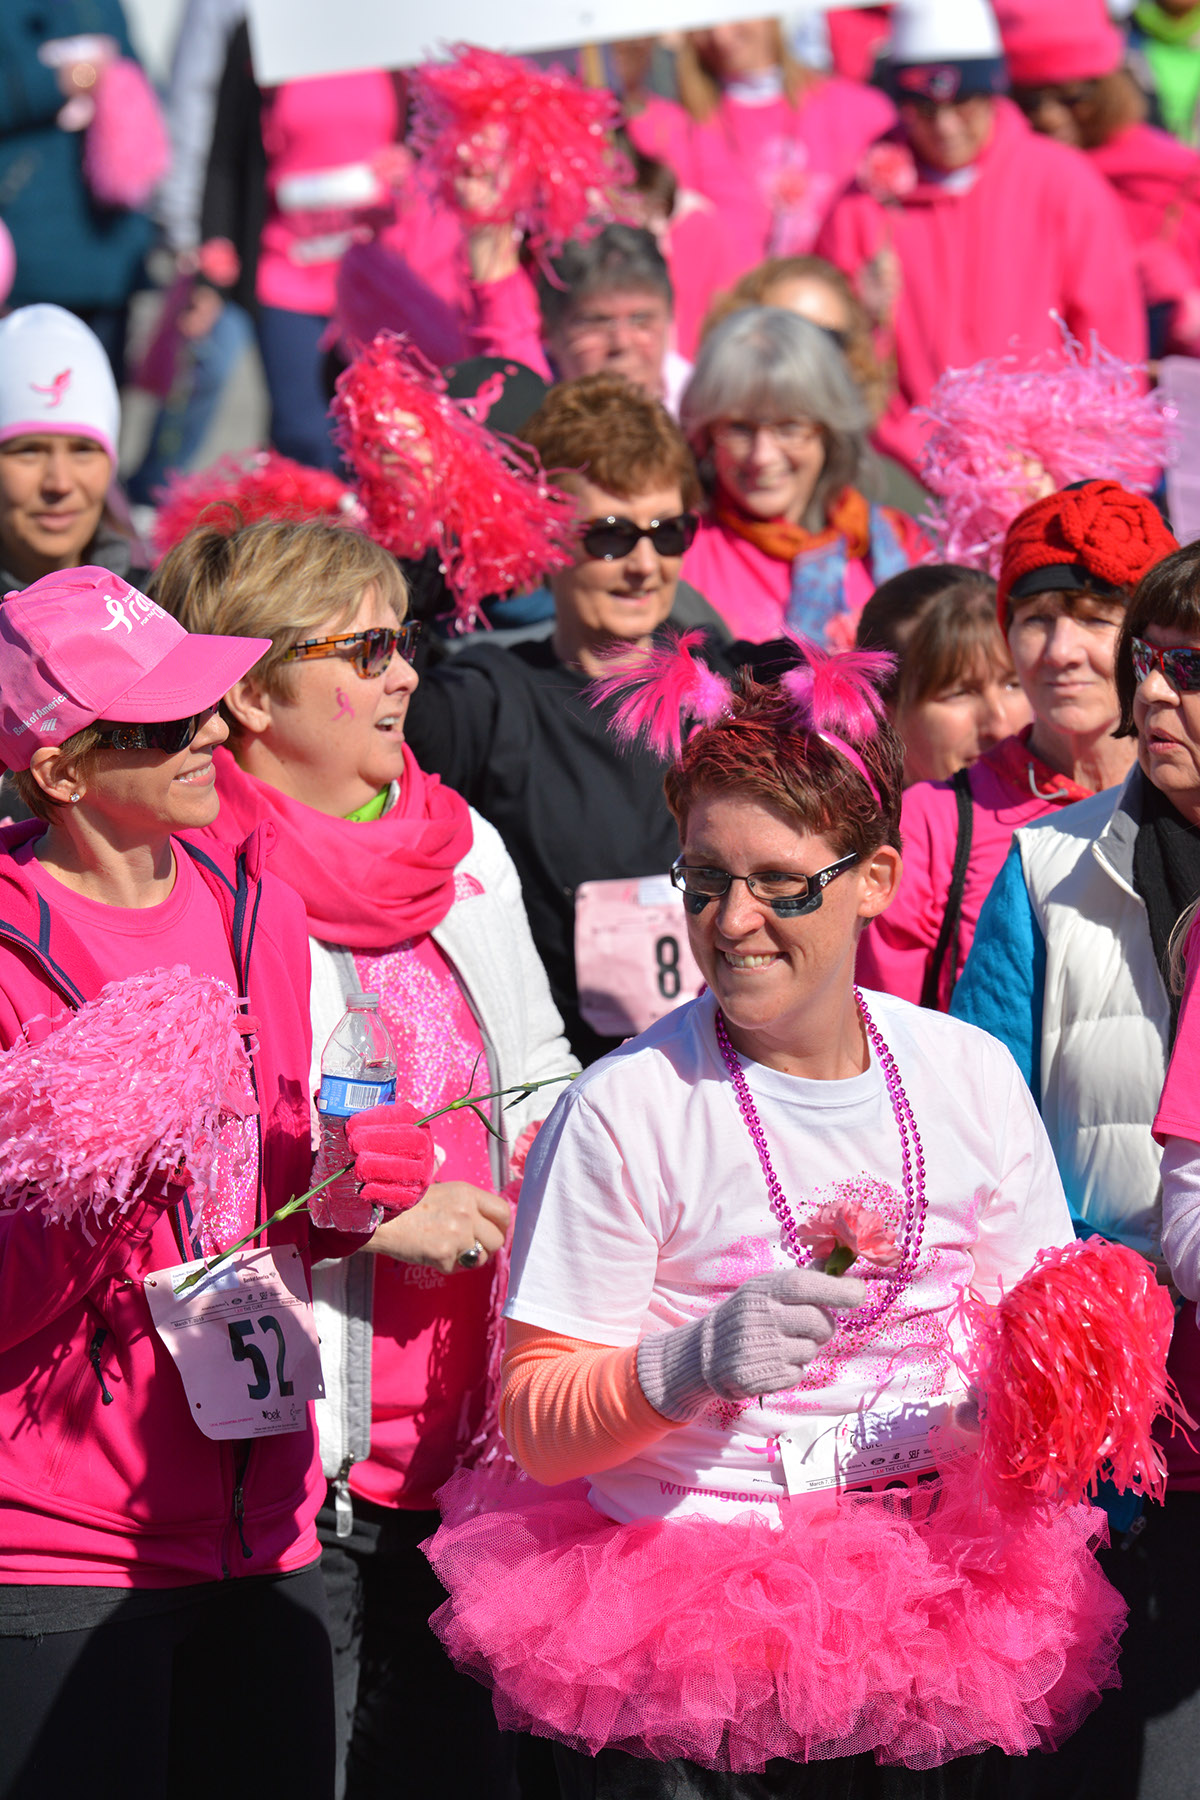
<point x="170" y="735"/>
<point x="1180" y="667"/>
<point x="788" y="896"/>
<point x="607" y="539"/>
<point x="370" y="652"/>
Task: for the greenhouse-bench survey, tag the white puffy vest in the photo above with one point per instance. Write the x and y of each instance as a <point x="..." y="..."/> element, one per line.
<point x="1105" y="1018"/>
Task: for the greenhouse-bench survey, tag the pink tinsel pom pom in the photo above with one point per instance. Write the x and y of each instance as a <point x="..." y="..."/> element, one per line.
<point x="1005" y="435"/>
<point x="1071" y="1373"/>
<point x="126" y="151"/>
<point x="428" y="474"/>
<point x="538" y="135"/>
<point x="663" y="687"/>
<point x="132" y="1087"/>
<point x="836" y="691"/>
<point x="231" y="493"/>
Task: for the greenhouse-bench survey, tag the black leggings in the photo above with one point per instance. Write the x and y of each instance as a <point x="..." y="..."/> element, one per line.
<point x="615" y="1775"/>
<point x="229" y="1683"/>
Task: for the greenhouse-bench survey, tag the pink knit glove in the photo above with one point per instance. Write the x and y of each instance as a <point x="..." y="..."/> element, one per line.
<point x="756" y="1342"/>
<point x="393" y="1155"/>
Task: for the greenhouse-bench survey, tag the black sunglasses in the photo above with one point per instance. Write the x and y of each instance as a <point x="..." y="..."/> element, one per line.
<point x="1180" y="667"/>
<point x="171" y="735"/>
<point x="607" y="539"/>
<point x="370" y="652"/>
<point x="788" y="896"/>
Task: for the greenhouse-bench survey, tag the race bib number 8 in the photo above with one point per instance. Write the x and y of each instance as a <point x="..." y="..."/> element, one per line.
<point x="243" y="1339"/>
<point x="632" y="958"/>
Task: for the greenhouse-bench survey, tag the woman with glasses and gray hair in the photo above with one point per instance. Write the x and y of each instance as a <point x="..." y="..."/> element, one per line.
<point x="789" y="541"/>
<point x="412" y="896"/>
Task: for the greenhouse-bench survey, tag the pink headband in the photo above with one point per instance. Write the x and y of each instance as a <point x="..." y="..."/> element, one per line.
<point x="853" y="758"/>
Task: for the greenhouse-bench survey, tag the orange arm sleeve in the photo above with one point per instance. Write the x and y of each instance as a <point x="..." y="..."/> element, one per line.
<point x="570" y="1408"/>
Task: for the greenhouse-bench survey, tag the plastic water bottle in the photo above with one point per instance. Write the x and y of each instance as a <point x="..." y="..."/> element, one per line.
<point x="358" y="1071"/>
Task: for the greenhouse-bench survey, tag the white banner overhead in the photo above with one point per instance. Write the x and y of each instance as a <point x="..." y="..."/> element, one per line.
<point x="294" y="38"/>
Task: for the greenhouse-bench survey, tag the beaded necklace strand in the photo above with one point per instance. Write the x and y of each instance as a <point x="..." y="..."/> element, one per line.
<point x="911" y="1153"/>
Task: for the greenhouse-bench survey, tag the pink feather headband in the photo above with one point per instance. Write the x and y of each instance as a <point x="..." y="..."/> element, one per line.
<point x="831" y="695"/>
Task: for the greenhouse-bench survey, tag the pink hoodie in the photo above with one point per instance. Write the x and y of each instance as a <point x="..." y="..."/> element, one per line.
<point x="1157" y="181"/>
<point x="772" y="171"/>
<point x="129" y="1493"/>
<point x="982" y="270"/>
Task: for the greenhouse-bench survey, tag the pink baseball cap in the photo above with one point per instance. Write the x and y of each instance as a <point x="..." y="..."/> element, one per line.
<point x="83" y="645"/>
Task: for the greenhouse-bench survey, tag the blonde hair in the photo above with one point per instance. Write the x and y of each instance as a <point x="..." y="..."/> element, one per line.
<point x="75" y="749"/>
<point x="1177" y="943"/>
<point x="275" y="580"/>
<point x="700" y="90"/>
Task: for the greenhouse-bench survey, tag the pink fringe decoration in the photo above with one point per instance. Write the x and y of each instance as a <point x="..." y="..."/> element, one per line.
<point x="663" y="687"/>
<point x="538" y="133"/>
<point x="132" y="1088"/>
<point x="1071" y="1373"/>
<point x="429" y="475"/>
<point x="836" y="691"/>
<point x="1005" y="434"/>
<point x="232" y="493"/>
<point x="126" y="151"/>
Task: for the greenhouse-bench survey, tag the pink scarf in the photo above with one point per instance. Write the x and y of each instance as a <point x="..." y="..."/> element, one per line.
<point x="366" y="885"/>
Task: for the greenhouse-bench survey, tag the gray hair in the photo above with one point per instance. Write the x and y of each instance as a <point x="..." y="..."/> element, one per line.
<point x="621" y="259"/>
<point x="764" y="364"/>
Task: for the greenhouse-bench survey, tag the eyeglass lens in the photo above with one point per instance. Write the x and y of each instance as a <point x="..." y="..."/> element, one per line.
<point x="608" y="539"/>
<point x="1180" y="667"/>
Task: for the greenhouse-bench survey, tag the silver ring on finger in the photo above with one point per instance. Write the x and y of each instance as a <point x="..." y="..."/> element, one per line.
<point x="471" y="1259"/>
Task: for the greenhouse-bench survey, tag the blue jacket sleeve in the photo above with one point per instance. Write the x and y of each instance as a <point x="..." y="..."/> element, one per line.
<point x="1003" y="986"/>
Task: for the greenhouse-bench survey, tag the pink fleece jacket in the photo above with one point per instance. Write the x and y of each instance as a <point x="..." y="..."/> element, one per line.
<point x="129" y="1493"/>
<point x="982" y="271"/>
<point x="773" y="170"/>
<point x="894" y="951"/>
<point x="1157" y="181"/>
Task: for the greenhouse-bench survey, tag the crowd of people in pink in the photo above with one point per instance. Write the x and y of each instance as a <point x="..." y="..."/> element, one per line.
<point x="600" y="935"/>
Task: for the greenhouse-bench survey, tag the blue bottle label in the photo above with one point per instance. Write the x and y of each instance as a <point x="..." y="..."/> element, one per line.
<point x="341" y="1097"/>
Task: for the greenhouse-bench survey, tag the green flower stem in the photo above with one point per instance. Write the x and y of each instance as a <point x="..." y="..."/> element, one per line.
<point x="839" y="1260"/>
<point x="521" y="1090"/>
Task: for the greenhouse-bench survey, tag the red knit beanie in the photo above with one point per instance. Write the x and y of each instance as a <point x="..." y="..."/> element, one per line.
<point x="1098" y="527"/>
<point x="1051" y="41"/>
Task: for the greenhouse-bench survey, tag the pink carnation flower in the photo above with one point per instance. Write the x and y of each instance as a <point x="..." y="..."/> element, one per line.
<point x="887" y="171"/>
<point x="844" y="1232"/>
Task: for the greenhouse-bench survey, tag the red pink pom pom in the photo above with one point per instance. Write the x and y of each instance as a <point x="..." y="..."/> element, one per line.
<point x="539" y="138"/>
<point x="132" y="1088"/>
<point x="1071" y="1372"/>
<point x="663" y="688"/>
<point x="232" y="493"/>
<point x="430" y="475"/>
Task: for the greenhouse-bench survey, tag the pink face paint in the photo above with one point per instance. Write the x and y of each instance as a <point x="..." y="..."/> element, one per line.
<point x="345" y="710"/>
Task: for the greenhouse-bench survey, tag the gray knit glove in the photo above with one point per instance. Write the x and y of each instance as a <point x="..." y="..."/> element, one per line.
<point x="756" y="1342"/>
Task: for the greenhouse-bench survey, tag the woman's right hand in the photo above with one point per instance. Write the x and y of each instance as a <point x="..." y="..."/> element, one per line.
<point x="452" y="1218"/>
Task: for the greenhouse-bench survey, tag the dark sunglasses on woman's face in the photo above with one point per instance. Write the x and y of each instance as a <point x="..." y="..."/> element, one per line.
<point x="613" y="537"/>
<point x="1181" y="668"/>
<point x="369" y="652"/>
<point x="171" y="735"/>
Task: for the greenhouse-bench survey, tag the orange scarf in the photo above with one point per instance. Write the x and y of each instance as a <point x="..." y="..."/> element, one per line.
<point x="849" y="517"/>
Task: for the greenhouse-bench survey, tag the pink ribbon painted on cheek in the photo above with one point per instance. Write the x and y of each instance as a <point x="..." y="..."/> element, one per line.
<point x="345" y="710"/>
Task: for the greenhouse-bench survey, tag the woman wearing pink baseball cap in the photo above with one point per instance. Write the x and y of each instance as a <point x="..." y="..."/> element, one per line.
<point x="158" y="1470"/>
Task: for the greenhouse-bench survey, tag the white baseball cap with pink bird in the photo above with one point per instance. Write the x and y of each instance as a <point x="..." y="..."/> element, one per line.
<point x="55" y="376"/>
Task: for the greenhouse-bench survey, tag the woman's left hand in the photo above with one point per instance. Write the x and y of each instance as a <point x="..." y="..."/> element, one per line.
<point x="451" y="1220"/>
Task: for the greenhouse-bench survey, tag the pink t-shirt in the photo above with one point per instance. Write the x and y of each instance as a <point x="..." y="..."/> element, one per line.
<point x="186" y="928"/>
<point x="321" y="137"/>
<point x="430" y="1342"/>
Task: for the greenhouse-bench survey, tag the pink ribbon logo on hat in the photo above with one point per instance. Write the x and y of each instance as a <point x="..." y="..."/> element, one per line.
<point x="141" y="608"/>
<point x="56" y="388"/>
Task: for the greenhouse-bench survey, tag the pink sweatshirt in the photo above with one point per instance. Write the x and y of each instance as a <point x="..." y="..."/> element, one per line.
<point x="772" y="170"/>
<point x="130" y="1493"/>
<point x="1157" y="181"/>
<point x="894" y="951"/>
<point x="983" y="270"/>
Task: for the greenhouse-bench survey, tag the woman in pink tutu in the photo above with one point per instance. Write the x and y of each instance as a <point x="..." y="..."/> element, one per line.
<point x="752" y="1556"/>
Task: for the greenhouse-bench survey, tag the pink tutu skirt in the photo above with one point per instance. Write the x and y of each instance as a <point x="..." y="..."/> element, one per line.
<point x="919" y="1626"/>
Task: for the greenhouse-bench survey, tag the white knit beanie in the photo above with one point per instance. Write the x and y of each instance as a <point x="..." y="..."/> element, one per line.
<point x="54" y="376"/>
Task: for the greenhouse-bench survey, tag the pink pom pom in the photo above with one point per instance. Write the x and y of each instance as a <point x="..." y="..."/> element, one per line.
<point x="232" y="493"/>
<point x="836" y="692"/>
<point x="539" y="135"/>
<point x="1071" y="1373"/>
<point x="428" y="474"/>
<point x="1005" y="434"/>
<point x="135" y="1085"/>
<point x="664" y="686"/>
<point x="126" y="152"/>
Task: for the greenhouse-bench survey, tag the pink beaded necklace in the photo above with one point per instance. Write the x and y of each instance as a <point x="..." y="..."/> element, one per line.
<point x="911" y="1153"/>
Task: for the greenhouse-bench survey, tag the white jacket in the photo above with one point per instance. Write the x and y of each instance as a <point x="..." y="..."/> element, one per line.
<point x="485" y="937"/>
<point x="1105" y="1017"/>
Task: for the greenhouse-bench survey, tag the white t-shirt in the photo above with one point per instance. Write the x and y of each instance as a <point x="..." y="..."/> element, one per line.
<point x="644" y="1205"/>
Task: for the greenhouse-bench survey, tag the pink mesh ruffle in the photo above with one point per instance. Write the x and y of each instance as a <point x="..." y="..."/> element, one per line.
<point x="920" y="1627"/>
